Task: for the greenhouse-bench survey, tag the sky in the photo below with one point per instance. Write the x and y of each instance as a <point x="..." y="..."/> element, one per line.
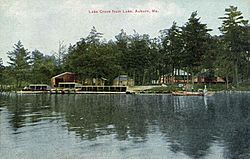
<point x="41" y="24"/>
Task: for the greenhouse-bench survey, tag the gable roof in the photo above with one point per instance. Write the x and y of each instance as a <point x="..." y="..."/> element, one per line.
<point x="63" y="74"/>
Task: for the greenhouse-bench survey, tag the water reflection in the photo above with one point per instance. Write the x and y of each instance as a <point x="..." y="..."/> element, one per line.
<point x="188" y="125"/>
<point x="27" y="109"/>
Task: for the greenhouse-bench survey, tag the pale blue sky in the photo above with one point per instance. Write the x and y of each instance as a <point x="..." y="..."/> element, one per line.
<point x="41" y="24"/>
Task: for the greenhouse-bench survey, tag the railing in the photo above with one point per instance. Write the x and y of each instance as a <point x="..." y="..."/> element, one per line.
<point x="102" y="88"/>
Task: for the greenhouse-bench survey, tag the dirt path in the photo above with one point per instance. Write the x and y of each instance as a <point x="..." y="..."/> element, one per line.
<point x="140" y="88"/>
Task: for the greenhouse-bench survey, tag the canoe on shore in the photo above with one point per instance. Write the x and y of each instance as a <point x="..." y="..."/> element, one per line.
<point x="186" y="93"/>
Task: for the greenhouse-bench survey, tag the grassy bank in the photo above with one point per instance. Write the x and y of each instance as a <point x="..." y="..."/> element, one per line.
<point x="210" y="87"/>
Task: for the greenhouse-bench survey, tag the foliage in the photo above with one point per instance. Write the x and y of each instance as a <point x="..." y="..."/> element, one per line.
<point x="90" y="58"/>
<point x="234" y="30"/>
<point x="42" y="67"/>
<point x="1" y="71"/>
<point x="19" y="63"/>
<point x="172" y="49"/>
<point x="195" y="38"/>
<point x="189" y="47"/>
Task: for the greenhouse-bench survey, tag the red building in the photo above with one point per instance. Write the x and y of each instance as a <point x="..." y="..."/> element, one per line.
<point x="63" y="77"/>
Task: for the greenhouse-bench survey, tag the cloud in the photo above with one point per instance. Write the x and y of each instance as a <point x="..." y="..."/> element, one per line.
<point x="111" y="24"/>
<point x="16" y="9"/>
<point x="165" y="8"/>
<point x="41" y="24"/>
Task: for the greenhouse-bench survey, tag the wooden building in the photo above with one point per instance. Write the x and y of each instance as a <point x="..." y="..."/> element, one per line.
<point x="94" y="81"/>
<point x="123" y="80"/>
<point x="63" y="77"/>
<point x="202" y="79"/>
<point x="180" y="76"/>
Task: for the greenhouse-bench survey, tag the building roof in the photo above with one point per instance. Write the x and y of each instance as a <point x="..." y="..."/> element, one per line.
<point x="67" y="83"/>
<point x="122" y="78"/>
<point x="104" y="79"/>
<point x="38" y="85"/>
<point x="63" y="74"/>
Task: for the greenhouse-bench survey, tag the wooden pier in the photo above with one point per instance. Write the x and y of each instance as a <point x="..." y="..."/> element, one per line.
<point x="79" y="90"/>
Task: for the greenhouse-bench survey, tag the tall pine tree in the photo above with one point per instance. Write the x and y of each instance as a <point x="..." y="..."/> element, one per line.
<point x="19" y="63"/>
<point x="234" y="30"/>
<point x="195" y="40"/>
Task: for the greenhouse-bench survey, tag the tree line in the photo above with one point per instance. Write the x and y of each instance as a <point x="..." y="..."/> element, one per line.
<point x="190" y="47"/>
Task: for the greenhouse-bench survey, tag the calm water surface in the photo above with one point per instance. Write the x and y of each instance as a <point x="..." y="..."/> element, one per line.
<point x="124" y="126"/>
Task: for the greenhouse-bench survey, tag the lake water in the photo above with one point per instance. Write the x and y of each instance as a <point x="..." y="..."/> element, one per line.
<point x="124" y="126"/>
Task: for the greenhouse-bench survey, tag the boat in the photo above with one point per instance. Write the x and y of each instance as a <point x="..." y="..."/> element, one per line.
<point x="187" y="93"/>
<point x="200" y="92"/>
<point x="35" y="89"/>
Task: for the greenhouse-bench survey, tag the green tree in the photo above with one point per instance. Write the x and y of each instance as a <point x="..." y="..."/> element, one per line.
<point x="122" y="41"/>
<point x="248" y="52"/>
<point x="138" y="58"/>
<point x="91" y="58"/>
<point x="173" y="48"/>
<point x="19" y="63"/>
<point x="211" y="53"/>
<point x="94" y="37"/>
<point x="42" y="67"/>
<point x="195" y="37"/>
<point x="234" y="30"/>
<point x="156" y="62"/>
<point x="1" y="71"/>
<point x="60" y="56"/>
<point x="1" y="63"/>
<point x="100" y="62"/>
<point x="75" y="57"/>
<point x="223" y="63"/>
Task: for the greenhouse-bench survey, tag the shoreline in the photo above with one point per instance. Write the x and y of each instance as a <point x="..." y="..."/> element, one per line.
<point x="210" y="93"/>
<point x="161" y="89"/>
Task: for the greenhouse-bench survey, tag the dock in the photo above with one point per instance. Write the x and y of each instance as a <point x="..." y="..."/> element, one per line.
<point x="80" y="90"/>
